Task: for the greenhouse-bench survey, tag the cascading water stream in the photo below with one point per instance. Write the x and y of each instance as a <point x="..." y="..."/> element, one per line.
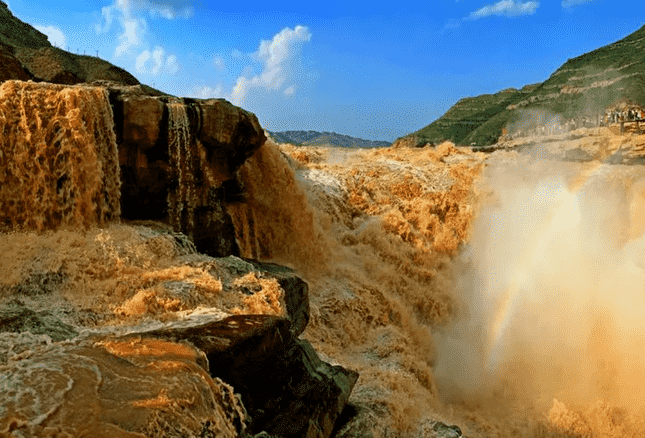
<point x="181" y="202"/>
<point x="58" y="156"/>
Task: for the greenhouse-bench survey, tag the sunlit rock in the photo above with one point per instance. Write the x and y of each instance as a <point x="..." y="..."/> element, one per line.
<point x="286" y="388"/>
<point x="138" y="388"/>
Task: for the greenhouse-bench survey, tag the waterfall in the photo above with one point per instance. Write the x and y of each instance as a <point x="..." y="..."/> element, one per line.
<point x="181" y="197"/>
<point x="58" y="156"/>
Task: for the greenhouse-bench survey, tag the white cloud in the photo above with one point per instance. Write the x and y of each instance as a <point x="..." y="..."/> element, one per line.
<point x="156" y="62"/>
<point x="289" y="91"/>
<point x="141" y="61"/>
<point x="131" y="14"/>
<point x="168" y="9"/>
<point x="280" y="59"/>
<point x="54" y="35"/>
<point x="506" y="8"/>
<point x="172" y="64"/>
<point x="132" y="35"/>
<point x="236" y="53"/>
<point x="208" y="92"/>
<point x="570" y="3"/>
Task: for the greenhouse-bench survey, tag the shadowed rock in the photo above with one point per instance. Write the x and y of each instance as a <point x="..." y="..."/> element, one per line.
<point x="17" y="318"/>
<point x="182" y="169"/>
<point x="287" y="390"/>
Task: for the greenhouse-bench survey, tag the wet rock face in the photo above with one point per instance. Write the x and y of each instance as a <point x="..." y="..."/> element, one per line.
<point x="287" y="390"/>
<point x="18" y="318"/>
<point x="178" y="158"/>
<point x="140" y="388"/>
<point x="202" y="374"/>
<point x="179" y="380"/>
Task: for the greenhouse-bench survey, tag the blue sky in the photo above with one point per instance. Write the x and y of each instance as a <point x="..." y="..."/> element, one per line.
<point x="375" y="71"/>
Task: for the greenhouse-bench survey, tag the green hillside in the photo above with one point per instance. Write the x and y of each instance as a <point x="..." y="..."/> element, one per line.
<point x="584" y="86"/>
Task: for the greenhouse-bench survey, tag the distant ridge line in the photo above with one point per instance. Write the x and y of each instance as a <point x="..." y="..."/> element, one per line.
<point x="316" y="138"/>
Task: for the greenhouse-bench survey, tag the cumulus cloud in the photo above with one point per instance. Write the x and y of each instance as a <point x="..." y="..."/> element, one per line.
<point x="280" y="60"/>
<point x="132" y="15"/>
<point x="132" y="35"/>
<point x="571" y="3"/>
<point x="156" y="62"/>
<point x="505" y="8"/>
<point x="54" y="35"/>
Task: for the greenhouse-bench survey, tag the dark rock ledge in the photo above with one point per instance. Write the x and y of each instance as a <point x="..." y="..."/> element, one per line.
<point x="241" y="376"/>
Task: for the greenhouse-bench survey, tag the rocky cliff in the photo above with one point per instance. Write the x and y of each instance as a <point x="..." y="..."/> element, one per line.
<point x="580" y="91"/>
<point x="151" y="327"/>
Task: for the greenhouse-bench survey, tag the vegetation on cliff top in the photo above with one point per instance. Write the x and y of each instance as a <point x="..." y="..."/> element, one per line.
<point x="583" y="86"/>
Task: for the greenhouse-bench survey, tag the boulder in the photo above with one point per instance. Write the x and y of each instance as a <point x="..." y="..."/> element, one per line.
<point x="442" y="430"/>
<point x="296" y="290"/>
<point x="287" y="390"/>
<point x="139" y="388"/>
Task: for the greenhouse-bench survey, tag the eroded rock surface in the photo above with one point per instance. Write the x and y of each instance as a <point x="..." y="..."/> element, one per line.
<point x="191" y="346"/>
<point x="178" y="158"/>
<point x="138" y="388"/>
<point x="286" y="388"/>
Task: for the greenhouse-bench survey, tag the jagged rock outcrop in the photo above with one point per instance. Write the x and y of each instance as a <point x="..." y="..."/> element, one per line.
<point x="287" y="390"/>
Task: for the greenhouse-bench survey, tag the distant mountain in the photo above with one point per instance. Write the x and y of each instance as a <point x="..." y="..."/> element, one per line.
<point x="315" y="138"/>
<point x="584" y="86"/>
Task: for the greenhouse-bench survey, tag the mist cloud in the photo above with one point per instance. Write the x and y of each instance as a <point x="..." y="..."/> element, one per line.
<point x="552" y="287"/>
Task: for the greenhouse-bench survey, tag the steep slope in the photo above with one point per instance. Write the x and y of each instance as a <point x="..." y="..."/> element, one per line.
<point x="25" y="53"/>
<point x="315" y="138"/>
<point x="585" y="86"/>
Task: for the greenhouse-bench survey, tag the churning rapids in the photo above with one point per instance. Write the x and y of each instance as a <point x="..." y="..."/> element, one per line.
<point x="501" y="292"/>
